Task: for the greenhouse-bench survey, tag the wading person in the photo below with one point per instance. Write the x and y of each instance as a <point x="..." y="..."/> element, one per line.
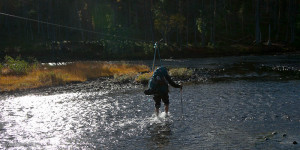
<point x="158" y="86"/>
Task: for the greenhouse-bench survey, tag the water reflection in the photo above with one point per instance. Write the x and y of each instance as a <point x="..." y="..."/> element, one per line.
<point x="234" y="114"/>
<point x="160" y="135"/>
<point x="44" y="120"/>
<point x="160" y="130"/>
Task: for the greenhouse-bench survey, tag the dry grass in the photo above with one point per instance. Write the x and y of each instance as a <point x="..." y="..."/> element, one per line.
<point x="181" y="72"/>
<point x="57" y="75"/>
<point x="9" y="83"/>
<point x="144" y="78"/>
<point x="124" y="78"/>
<point x="90" y="70"/>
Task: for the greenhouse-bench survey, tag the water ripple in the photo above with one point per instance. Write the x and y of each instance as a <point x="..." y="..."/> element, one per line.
<point x="238" y="114"/>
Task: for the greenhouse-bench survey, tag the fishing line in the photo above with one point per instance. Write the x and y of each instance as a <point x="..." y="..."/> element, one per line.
<point x="70" y="27"/>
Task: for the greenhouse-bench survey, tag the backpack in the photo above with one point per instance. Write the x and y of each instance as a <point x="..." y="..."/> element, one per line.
<point x="157" y="81"/>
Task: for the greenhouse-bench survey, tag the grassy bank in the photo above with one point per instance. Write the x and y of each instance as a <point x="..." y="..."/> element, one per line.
<point x="35" y="75"/>
<point x="18" y="74"/>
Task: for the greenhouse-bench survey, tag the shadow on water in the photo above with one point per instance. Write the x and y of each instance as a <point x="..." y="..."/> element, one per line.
<point x="160" y="131"/>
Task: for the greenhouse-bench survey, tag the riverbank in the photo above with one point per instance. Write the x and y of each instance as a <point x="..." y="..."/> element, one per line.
<point x="238" y="50"/>
<point x="204" y="70"/>
<point x="46" y="75"/>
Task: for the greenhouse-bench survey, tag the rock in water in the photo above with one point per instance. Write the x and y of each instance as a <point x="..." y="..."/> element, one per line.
<point x="295" y="142"/>
<point x="266" y="138"/>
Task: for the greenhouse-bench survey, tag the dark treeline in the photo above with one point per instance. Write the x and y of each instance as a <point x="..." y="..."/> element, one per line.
<point x="128" y="28"/>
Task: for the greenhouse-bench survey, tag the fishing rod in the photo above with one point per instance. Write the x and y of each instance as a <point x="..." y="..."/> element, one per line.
<point x="181" y="101"/>
<point x="156" y="49"/>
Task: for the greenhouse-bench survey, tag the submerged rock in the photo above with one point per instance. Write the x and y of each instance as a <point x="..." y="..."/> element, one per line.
<point x="266" y="138"/>
<point x="295" y="142"/>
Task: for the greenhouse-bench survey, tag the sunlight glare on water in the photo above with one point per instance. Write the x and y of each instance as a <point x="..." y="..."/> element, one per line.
<point x="235" y="113"/>
<point x="72" y="120"/>
<point x="47" y="120"/>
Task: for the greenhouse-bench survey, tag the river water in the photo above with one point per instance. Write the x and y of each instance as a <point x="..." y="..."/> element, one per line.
<point x="249" y="102"/>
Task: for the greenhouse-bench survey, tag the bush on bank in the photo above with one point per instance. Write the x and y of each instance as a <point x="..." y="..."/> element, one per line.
<point x="16" y="66"/>
<point x="182" y="73"/>
<point x="143" y="78"/>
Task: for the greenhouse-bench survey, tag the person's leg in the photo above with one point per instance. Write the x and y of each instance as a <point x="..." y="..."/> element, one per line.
<point x="165" y="99"/>
<point x="157" y="100"/>
<point x="157" y="111"/>
<point x="166" y="109"/>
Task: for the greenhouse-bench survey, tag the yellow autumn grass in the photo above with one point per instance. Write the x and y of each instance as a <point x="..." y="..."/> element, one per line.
<point x="144" y="78"/>
<point x="181" y="72"/>
<point x="73" y="72"/>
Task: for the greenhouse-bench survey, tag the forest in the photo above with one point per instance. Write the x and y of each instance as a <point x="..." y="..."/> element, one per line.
<point x="67" y="30"/>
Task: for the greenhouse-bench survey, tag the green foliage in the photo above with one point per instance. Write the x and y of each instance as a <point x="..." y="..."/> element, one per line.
<point x="183" y="73"/>
<point x="241" y="10"/>
<point x="51" y="78"/>
<point x="201" y="22"/>
<point x="161" y="22"/>
<point x="17" y="66"/>
<point x="148" y="48"/>
<point x="34" y="63"/>
<point x="118" y="22"/>
<point x="109" y="21"/>
<point x="177" y="21"/>
<point x="298" y="22"/>
<point x="165" y="22"/>
<point x="211" y="45"/>
<point x="1" y="66"/>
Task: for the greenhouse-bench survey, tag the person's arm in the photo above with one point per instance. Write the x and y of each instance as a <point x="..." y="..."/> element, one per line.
<point x="171" y="82"/>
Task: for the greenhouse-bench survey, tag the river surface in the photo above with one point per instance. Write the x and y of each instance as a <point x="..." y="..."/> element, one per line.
<point x="250" y="102"/>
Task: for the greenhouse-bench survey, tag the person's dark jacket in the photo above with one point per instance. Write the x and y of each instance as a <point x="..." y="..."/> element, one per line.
<point x="158" y="84"/>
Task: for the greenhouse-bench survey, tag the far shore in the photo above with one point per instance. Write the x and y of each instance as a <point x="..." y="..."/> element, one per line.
<point x="46" y="75"/>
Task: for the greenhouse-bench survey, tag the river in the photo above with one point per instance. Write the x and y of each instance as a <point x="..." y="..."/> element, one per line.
<point x="247" y="102"/>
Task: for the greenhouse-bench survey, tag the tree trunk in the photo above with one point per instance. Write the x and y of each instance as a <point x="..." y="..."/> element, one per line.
<point x="31" y="32"/>
<point x="48" y="30"/>
<point x="195" y="31"/>
<point x="38" y="11"/>
<point x="274" y="10"/>
<point x="278" y="21"/>
<point x="151" y="21"/>
<point x="257" y="30"/>
<point x="269" y="39"/>
<point x="225" y="17"/>
<point x="129" y="14"/>
<point x="6" y="23"/>
<point x="145" y="20"/>
<point x="213" y="10"/>
<point x="242" y="16"/>
<point x="202" y="27"/>
<point x="288" y="6"/>
<point x="177" y="35"/>
<point x="43" y="32"/>
<point x="187" y="23"/>
<point x="292" y="20"/>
